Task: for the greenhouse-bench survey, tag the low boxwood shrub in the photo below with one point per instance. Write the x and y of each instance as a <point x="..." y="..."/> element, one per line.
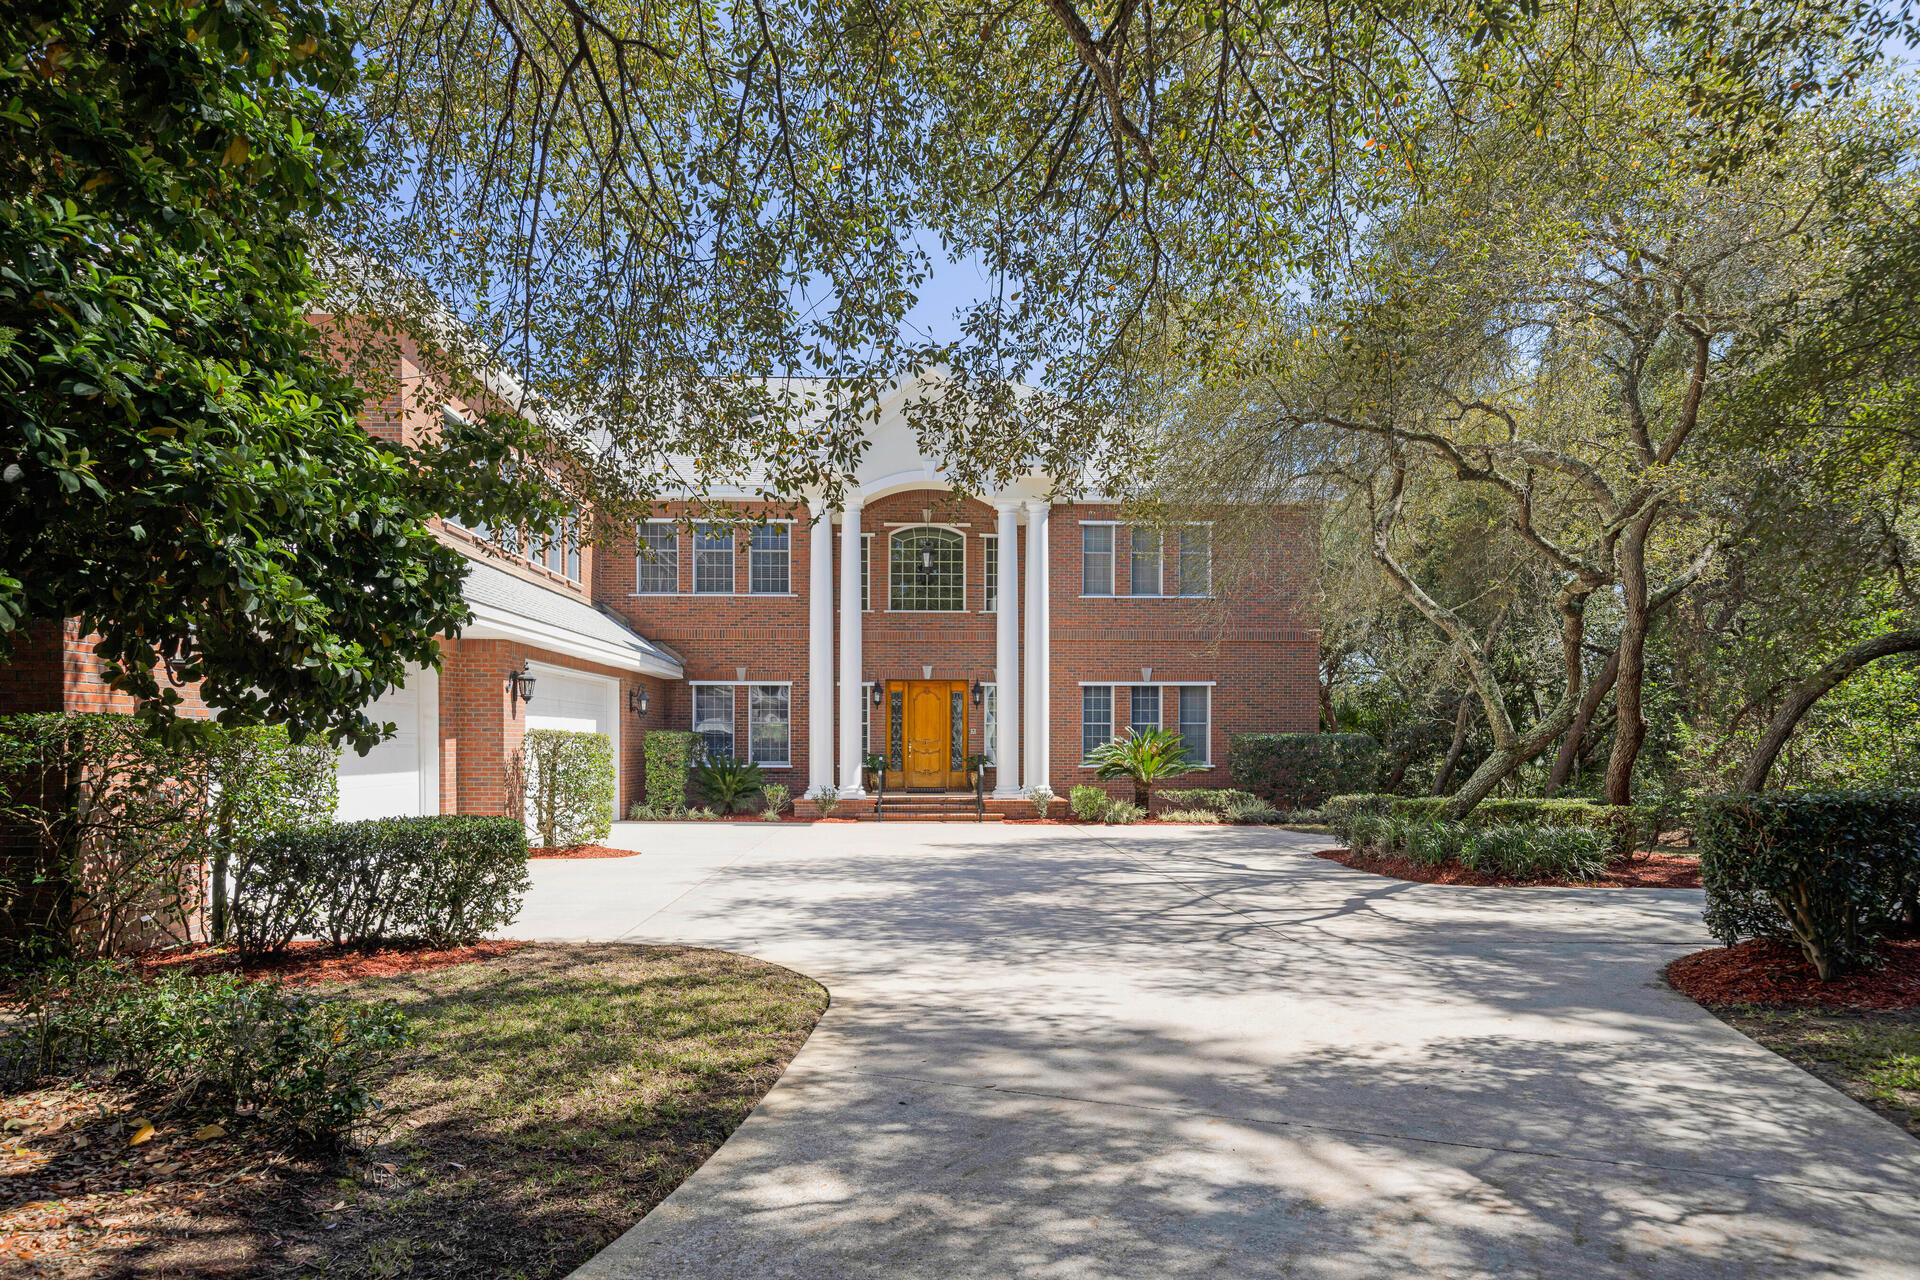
<point x="301" y="1063"/>
<point x="1089" y="803"/>
<point x="669" y="755"/>
<point x="1828" y="870"/>
<point x="1216" y="799"/>
<point x="563" y="779"/>
<point x="443" y="880"/>
<point x="1300" y="770"/>
<point x="1624" y="826"/>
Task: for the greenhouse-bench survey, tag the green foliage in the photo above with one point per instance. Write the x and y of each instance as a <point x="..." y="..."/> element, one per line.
<point x="728" y="785"/>
<point x="1042" y="799"/>
<point x="669" y="760"/>
<point x="564" y="782"/>
<point x="300" y="1063"/>
<point x="1522" y="852"/>
<point x="1828" y="870"/>
<point x="1213" y="799"/>
<point x="185" y="469"/>
<point x="260" y="782"/>
<point x="1191" y="815"/>
<point x="1624" y="826"/>
<point x="1146" y="757"/>
<point x="1122" y="814"/>
<point x="774" y="801"/>
<point x="827" y="798"/>
<point x="1250" y="809"/>
<point x="1089" y="803"/>
<point x="112" y="820"/>
<point x="443" y="880"/>
<point x="1302" y="769"/>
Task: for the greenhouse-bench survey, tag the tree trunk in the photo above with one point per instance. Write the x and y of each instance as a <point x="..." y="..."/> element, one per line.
<point x="1462" y="721"/>
<point x="1809" y="691"/>
<point x="1630" y="678"/>
<point x="1326" y="708"/>
<point x="1582" y="721"/>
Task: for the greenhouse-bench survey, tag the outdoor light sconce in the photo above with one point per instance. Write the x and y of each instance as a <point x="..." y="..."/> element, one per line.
<point x="874" y="695"/>
<point x="637" y="701"/>
<point x="177" y="664"/>
<point x="979" y="693"/>
<point x="520" y="686"/>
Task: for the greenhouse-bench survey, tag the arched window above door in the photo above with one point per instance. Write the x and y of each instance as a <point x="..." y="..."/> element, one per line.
<point x="927" y="570"/>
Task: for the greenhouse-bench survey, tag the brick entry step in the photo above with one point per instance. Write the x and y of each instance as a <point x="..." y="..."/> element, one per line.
<point x="918" y="806"/>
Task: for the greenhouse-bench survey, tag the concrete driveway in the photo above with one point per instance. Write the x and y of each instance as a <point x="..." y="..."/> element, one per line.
<point x="1153" y="1052"/>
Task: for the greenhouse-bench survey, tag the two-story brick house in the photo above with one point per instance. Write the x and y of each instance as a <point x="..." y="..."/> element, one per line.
<point x="905" y="620"/>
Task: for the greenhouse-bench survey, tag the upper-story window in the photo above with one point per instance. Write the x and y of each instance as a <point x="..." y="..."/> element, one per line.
<point x="712" y="560"/>
<point x="1196" y="560"/>
<point x="1143" y="563"/>
<point x="990" y="554"/>
<point x="656" y="568"/>
<point x="1096" y="560"/>
<point x="927" y="570"/>
<point x="769" y="560"/>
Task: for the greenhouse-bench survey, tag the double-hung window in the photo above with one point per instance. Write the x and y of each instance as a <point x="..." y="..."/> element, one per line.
<point x="713" y="719"/>
<point x="1143" y="709"/>
<point x="990" y="552"/>
<point x="866" y="558"/>
<point x="1196" y="560"/>
<point x="1195" y="722"/>
<point x="1143" y="563"/>
<point x="712" y="560"/>
<point x="1096" y="560"/>
<point x="1096" y="717"/>
<point x="656" y="562"/>
<point x="768" y="725"/>
<point x="769" y="560"/>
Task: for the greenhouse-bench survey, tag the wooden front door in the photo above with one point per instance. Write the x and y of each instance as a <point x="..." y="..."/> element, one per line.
<point x="926" y="734"/>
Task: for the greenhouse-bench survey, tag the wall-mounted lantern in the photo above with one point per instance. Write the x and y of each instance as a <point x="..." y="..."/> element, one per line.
<point x="875" y="694"/>
<point x="638" y="700"/>
<point x="979" y="694"/>
<point x="520" y="686"/>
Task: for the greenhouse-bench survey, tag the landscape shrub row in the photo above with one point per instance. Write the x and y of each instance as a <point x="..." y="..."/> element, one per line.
<point x="300" y="1063"/>
<point x="1829" y="871"/>
<point x="442" y="880"/>
<point x="1300" y="770"/>
<point x="1626" y="826"/>
<point x="1519" y="851"/>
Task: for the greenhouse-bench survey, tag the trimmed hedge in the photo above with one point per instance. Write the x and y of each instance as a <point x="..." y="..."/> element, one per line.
<point x="563" y="778"/>
<point x="443" y="880"/>
<point x="1626" y="826"/>
<point x="1519" y="851"/>
<point x="669" y="760"/>
<point x="1829" y="870"/>
<point x="1300" y="770"/>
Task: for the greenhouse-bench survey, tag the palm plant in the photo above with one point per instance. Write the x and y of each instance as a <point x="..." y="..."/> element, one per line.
<point x="726" y="784"/>
<point x="1147" y="756"/>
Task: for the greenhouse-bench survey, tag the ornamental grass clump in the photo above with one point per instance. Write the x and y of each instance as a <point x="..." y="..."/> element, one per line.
<point x="1536" y="853"/>
<point x="1122" y="814"/>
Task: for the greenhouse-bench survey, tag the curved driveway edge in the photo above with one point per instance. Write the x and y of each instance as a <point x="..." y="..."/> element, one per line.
<point x="1162" y="1052"/>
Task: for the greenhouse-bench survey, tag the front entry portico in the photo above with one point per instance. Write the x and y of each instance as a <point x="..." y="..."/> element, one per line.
<point x="924" y="734"/>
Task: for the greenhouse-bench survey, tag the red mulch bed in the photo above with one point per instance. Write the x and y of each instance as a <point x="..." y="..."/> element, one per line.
<point x="1643" y="871"/>
<point x="581" y="851"/>
<point x="1764" y="971"/>
<point x="309" y="962"/>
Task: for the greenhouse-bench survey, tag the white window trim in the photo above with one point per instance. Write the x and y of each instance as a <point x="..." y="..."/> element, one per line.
<point x="766" y="595"/>
<point x="1206" y="738"/>
<point x="637" y="544"/>
<point x="866" y="579"/>
<point x="942" y="613"/>
<point x="751" y="685"/>
<point x="1113" y="560"/>
<point x="1113" y="701"/>
<point x="693" y="709"/>
<point x="733" y="561"/>
<point x="1160" y="556"/>
<point x="1178" y="574"/>
<point x="985" y="560"/>
<point x="1163" y="684"/>
<point x="988" y="746"/>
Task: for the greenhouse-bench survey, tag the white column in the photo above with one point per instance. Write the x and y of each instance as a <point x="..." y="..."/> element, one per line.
<point x="1039" y="721"/>
<point x="820" y="695"/>
<point x="850" y="666"/>
<point x="1006" y="671"/>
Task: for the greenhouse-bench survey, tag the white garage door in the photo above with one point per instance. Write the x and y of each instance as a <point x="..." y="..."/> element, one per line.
<point x="398" y="777"/>
<point x="567" y="702"/>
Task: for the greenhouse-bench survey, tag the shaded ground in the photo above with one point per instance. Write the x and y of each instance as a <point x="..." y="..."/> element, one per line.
<point x="1873" y="1058"/>
<point x="1641" y="871"/>
<point x="557" y="1094"/>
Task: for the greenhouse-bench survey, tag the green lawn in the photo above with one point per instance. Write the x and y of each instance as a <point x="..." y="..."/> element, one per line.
<point x="1873" y="1057"/>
